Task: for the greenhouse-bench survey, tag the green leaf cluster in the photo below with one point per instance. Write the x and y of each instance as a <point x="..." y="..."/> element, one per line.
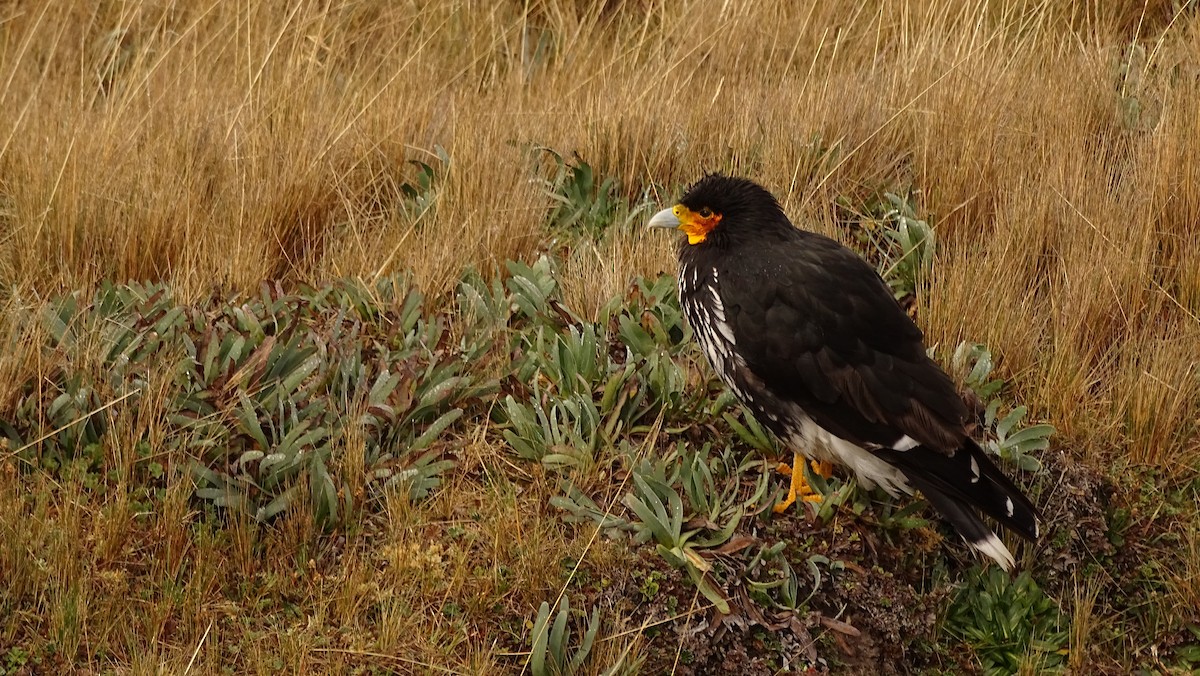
<point x="1006" y="436"/>
<point x="1010" y="623"/>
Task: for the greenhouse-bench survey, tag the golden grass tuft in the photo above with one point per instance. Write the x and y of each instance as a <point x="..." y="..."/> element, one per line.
<point x="215" y="145"/>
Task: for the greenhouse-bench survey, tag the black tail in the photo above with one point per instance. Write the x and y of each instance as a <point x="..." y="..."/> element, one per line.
<point x="954" y="484"/>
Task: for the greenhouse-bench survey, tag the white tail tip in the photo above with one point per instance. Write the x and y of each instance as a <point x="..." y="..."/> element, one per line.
<point x="994" y="549"/>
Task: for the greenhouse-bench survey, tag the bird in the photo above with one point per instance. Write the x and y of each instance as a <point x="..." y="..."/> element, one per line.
<point x="812" y="341"/>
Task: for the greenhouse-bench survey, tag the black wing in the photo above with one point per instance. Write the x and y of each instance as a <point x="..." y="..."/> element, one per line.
<point x="819" y="327"/>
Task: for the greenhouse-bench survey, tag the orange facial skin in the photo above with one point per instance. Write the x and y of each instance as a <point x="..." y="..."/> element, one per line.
<point x="696" y="224"/>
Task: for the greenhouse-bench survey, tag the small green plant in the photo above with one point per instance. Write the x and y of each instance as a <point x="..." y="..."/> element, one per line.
<point x="750" y="432"/>
<point x="649" y="317"/>
<point x="688" y="502"/>
<point x="711" y="495"/>
<point x="1009" y="439"/>
<point x="901" y="244"/>
<point x="782" y="586"/>
<point x="976" y="361"/>
<point x="1016" y="443"/>
<point x="892" y="518"/>
<point x="533" y="289"/>
<point x="1008" y="622"/>
<point x="660" y="516"/>
<point x="578" y="394"/>
<point x="563" y="432"/>
<point x="1189" y="654"/>
<point x="581" y="508"/>
<point x="15" y="660"/>
<point x="420" y="194"/>
<point x="550" y="643"/>
<point x="583" y="203"/>
<point x="650" y="585"/>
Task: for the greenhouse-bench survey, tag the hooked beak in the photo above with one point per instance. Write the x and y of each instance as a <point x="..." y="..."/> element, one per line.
<point x="666" y="218"/>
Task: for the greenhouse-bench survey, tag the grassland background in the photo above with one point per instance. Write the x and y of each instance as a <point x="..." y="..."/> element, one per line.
<point x="214" y="145"/>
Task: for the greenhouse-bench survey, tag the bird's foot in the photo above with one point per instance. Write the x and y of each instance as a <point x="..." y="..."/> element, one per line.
<point x="799" y="488"/>
<point x="822" y="469"/>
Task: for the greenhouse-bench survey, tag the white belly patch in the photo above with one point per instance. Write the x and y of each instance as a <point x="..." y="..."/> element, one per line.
<point x="816" y="443"/>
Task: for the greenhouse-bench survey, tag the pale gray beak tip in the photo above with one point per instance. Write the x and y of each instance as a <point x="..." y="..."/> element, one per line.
<point x="664" y="219"/>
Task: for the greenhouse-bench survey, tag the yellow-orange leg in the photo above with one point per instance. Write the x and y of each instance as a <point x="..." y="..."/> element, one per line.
<point x="799" y="486"/>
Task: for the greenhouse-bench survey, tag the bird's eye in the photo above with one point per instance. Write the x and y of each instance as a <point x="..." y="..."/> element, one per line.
<point x="706" y="213"/>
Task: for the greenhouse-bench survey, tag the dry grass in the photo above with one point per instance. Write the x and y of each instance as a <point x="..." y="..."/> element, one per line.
<point x="1056" y="147"/>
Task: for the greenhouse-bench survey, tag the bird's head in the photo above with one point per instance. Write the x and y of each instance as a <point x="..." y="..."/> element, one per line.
<point x="719" y="207"/>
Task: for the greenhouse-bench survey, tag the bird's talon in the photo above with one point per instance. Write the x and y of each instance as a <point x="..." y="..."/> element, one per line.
<point x="799" y="488"/>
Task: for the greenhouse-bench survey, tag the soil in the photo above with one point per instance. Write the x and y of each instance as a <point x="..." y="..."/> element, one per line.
<point x="879" y="603"/>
